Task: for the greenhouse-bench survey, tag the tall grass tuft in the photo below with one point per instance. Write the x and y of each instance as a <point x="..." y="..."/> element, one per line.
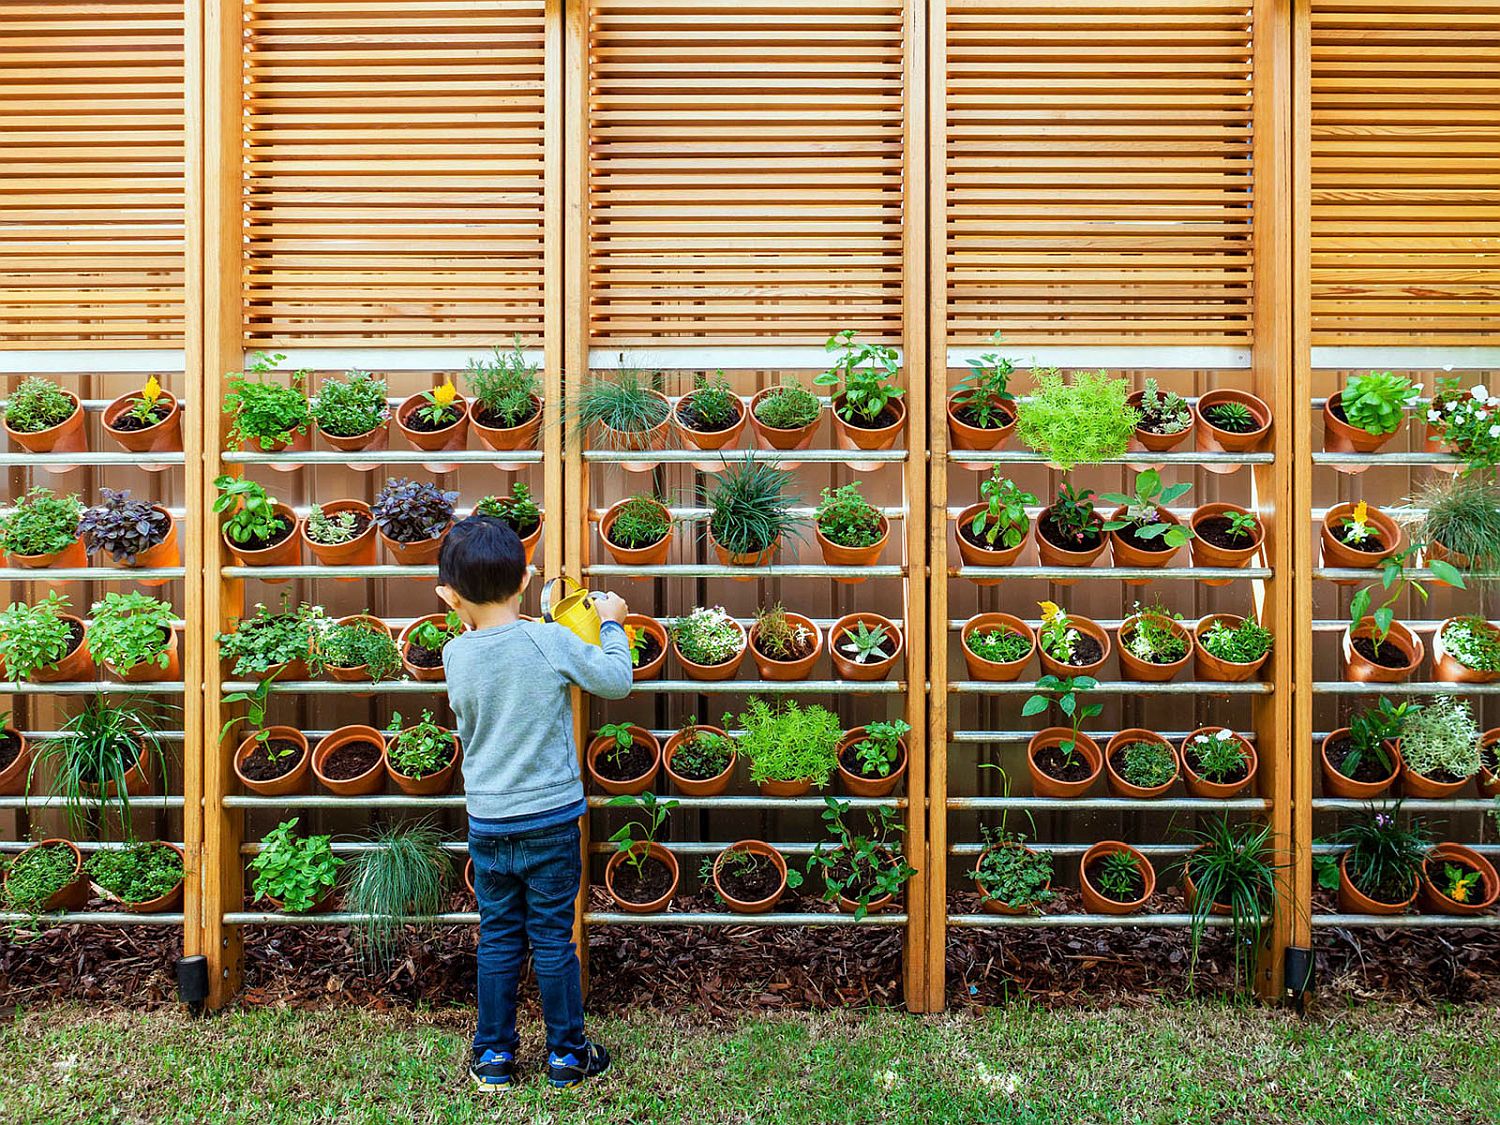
<point x="1234" y="866"/>
<point x="94" y="750"/>
<point x="405" y="872"/>
<point x="624" y="404"/>
<point x="1463" y="514"/>
<point x="751" y="507"/>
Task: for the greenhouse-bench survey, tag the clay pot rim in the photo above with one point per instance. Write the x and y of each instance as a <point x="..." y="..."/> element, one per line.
<point x="974" y="623"/>
<point x="1328" y="763"/>
<point x="802" y="619"/>
<point x="984" y="895"/>
<point x="452" y="762"/>
<point x="242" y="751"/>
<point x="609" y="515"/>
<point x="1219" y="507"/>
<point x="1143" y="866"/>
<point x="874" y="548"/>
<point x="1416" y="886"/>
<point x="898" y="402"/>
<point x="1250" y="756"/>
<point x="350" y="505"/>
<point x="401" y="411"/>
<point x="1140" y="734"/>
<point x="596" y="748"/>
<point x="1257" y="406"/>
<point x="743" y="649"/>
<point x="677" y="740"/>
<point x="533" y="420"/>
<point x="742" y="415"/>
<point x="654" y="850"/>
<point x="104" y="415"/>
<point x="764" y="393"/>
<point x="1181" y="628"/>
<point x="348" y="728"/>
<point x="1489" y="878"/>
<point x="759" y="847"/>
<point x="1010" y="409"/>
<point x="851" y="620"/>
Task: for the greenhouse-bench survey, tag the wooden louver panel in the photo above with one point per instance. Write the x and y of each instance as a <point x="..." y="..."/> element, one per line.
<point x="745" y="169"/>
<point x="394" y="170"/>
<point x="1405" y="240"/>
<point x="1098" y="186"/>
<point x="91" y="174"/>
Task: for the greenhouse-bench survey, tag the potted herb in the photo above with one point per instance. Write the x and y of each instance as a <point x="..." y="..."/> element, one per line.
<point x="749" y="877"/>
<point x="105" y="751"/>
<point x="350" y="761"/>
<point x="1139" y="764"/>
<point x="1367" y="413"/>
<point x="1462" y="523"/>
<point x="1165" y="418"/>
<point x="785" y="645"/>
<point x="353" y="414"/>
<point x="42" y="643"/>
<point x="278" y="645"/>
<point x="1232" y="872"/>
<point x="1063" y="761"/>
<point x="295" y="874"/>
<point x="699" y="760"/>
<point x="146" y="421"/>
<point x="1114" y="878"/>
<point x="422" y="642"/>
<point x="850" y="530"/>
<point x="42" y="531"/>
<point x="785" y="416"/>
<point x="1230" y="422"/>
<point x="1458" y="880"/>
<point x="404" y="873"/>
<point x="1069" y="532"/>
<point x="359" y="647"/>
<point x="1466" y="650"/>
<point x="862" y="871"/>
<point x="274" y="760"/>
<point x="790" y="748"/>
<point x="709" y="643"/>
<point x="1379" y="870"/>
<point x="135" y="637"/>
<point x="624" y="414"/>
<point x="710" y="416"/>
<point x="507" y="394"/>
<point x="1217" y="763"/>
<point x="46" y="876"/>
<point x="872" y="758"/>
<point x="1079" y="423"/>
<point x="268" y="414"/>
<point x="1230" y="649"/>
<point x="422" y="758"/>
<point x="648" y="646"/>
<point x="867" y="409"/>
<point x="1361" y="761"/>
<point x="1358" y="536"/>
<point x="1010" y="877"/>
<point x="1439" y="748"/>
<point x="134" y="533"/>
<point x="750" y="513"/>
<point x="435" y="419"/>
<point x="642" y="875"/>
<point x="1224" y="535"/>
<point x="1488" y="779"/>
<point x="518" y="510"/>
<point x="1070" y="645"/>
<point x="41" y="417"/>
<point x="992" y="532"/>
<point x="623" y="758"/>
<point x="144" y="878"/>
<point x="1154" y="645"/>
<point x="864" y="646"/>
<point x="637" y="531"/>
<point x="1142" y="530"/>
<point x="341" y="533"/>
<point x="1459" y="420"/>
<point x="981" y="409"/>
<point x="413" y="518"/>
<point x="260" y="530"/>
<point x="1380" y="650"/>
<point x="997" y="646"/>
<point x="15" y="758"/>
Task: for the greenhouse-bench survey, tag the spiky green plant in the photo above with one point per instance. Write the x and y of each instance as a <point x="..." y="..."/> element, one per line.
<point x="1235" y="866"/>
<point x="1463" y="516"/>
<point x="750" y="507"/>
<point x="404" y="873"/>
<point x="616" y="407"/>
<point x="95" y="749"/>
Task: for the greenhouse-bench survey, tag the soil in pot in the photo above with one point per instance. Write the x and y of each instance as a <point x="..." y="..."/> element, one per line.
<point x="688" y="762"/>
<point x="351" y="760"/>
<point x="1216" y="418"/>
<point x="651" y="648"/>
<point x="1057" y="765"/>
<point x="10" y="749"/>
<point x="688" y="415"/>
<point x="259" y="765"/>
<point x="1389" y="655"/>
<point x="1086" y="651"/>
<point x="966" y="532"/>
<point x="1240" y="772"/>
<point x="1436" y="868"/>
<point x="1369" y="770"/>
<point x="1215" y="530"/>
<point x="421" y="657"/>
<point x="649" y="883"/>
<point x="887" y="417"/>
<point x="1372" y="544"/>
<point x="423" y="425"/>
<point x="1150" y="546"/>
<point x="1136" y="880"/>
<point x="361" y="525"/>
<point x="1047" y="525"/>
<point x="491" y="420"/>
<point x="627" y="765"/>
<point x="798" y="648"/>
<point x="850" y="760"/>
<point x="999" y="418"/>
<point x="128" y="423"/>
<point x="284" y="529"/>
<point x="75" y="638"/>
<point x="748" y="876"/>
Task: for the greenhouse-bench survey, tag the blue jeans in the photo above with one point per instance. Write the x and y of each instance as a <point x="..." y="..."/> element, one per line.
<point x="526" y="886"/>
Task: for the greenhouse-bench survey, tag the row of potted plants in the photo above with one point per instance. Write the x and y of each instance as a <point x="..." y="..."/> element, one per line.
<point x="44" y="530"/>
<point x="133" y="636"/>
<point x="42" y="417"/>
<point x="1431" y="750"/>
<point x="1457" y="532"/>
<point x="420" y="757"/>
<point x="1384" y="860"/>
<point x="1371" y="409"/>
<point x="143" y="877"/>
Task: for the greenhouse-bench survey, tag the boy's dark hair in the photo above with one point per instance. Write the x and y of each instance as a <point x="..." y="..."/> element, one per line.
<point x="482" y="559"/>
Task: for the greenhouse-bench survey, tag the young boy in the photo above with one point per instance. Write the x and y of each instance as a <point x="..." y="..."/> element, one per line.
<point x="508" y="684"/>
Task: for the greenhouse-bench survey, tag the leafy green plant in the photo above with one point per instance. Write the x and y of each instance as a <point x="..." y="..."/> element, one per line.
<point x="1218" y="756"/>
<point x="1065" y="695"/>
<point x="263" y="640"/>
<point x="1163" y="412"/>
<point x="1073" y="518"/>
<point x="1466" y="422"/>
<point x="123" y="527"/>
<point x="1012" y="874"/>
<point x="1370" y="729"/>
<point x="780" y="637"/>
<point x="712" y="403"/>
<point x="639" y="522"/>
<point x="409" y="511"/>
<point x="790" y="406"/>
<point x="1142" y="517"/>
<point x="1395" y="580"/>
<point x="36" y="875"/>
<point x="42" y="523"/>
<point x="1462" y="515"/>
<point x="1473" y="642"/>
<point x="294" y="870"/>
<point x="1003" y="518"/>
<point x="860" y="866"/>
<point x="750" y="507"/>
<point x="1377" y="402"/>
<point x="845" y="517"/>
<point x="1242" y="525"/>
<point x="983" y="395"/>
<point x="33" y="637"/>
<point x="94" y="749"/>
<point x="351" y="406"/>
<point x="421" y="749"/>
<point x="1440" y="740"/>
<point x="263" y="410"/>
<point x="506" y="389"/>
<point x="137" y="872"/>
<point x="433" y="635"/>
<point x="1383" y="858"/>
<point x="863" y="643"/>
<point x="132" y="629"/>
<point x="622" y="406"/>
<point x="331" y="529"/>
<point x="623" y="740"/>
<point x="254" y="517"/>
<point x="880" y="749"/>
<point x="1119" y="876"/>
<point x="866" y="375"/>
<point x="708" y="635"/>
<point x="404" y="872"/>
<point x="789" y="742"/>
<point x="1244" y="643"/>
<point x="1147" y="764"/>
<point x="1234" y="867"/>
<point x="440" y="407"/>
<point x="38" y="404"/>
<point x="518" y="509"/>
<point x="1000" y="645"/>
<point x="635" y="837"/>
<point x="706" y="754"/>
<point x="359" y="643"/>
<point x="1083" y="422"/>
<point x="1153" y="637"/>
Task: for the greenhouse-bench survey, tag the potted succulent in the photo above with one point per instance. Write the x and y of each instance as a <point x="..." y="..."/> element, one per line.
<point x="862" y="871"/>
<point x="436" y="419"/>
<point x="1458" y="880"/>
<point x="1466" y="650"/>
<point x="273" y="762"/>
<point x="353" y="414"/>
<point x="1439" y="748"/>
<point x="641" y="875"/>
<point x="867" y="409"/>
<point x="146" y="421"/>
<point x="1114" y="878"/>
<point x="422" y="642"/>
<point x="710" y="416"/>
<point x="790" y="748"/>
<point x="1367" y="413"/>
<point x="144" y="877"/>
<point x="42" y="531"/>
<point x="1063" y="761"/>
<point x="872" y="758"/>
<point x="275" y="417"/>
<point x="700" y="759"/>
<point x="1380" y="650"/>
<point x="850" y="530"/>
<point x="981" y="409"/>
<point x="46" y="876"/>
<point x="43" y="643"/>
<point x="1230" y="422"/>
<point x="637" y="531"/>
<point x="1165" y="418"/>
<point x="1230" y="649"/>
<point x="622" y="414"/>
<point x="1224" y="535"/>
<point x="518" y="510"/>
<point x="1461" y="524"/>
<point x="1358" y="536"/>
<point x="1070" y="645"/>
<point x="359" y="647"/>
<point x="1232" y="872"/>
<point x="1154" y="645"/>
<point x="1010" y="877"/>
<point x="422" y="758"/>
<point x="134" y="532"/>
<point x="992" y="532"/>
<point x="1079" y="423"/>
<point x="997" y="646"/>
<point x="403" y="873"/>
<point x="105" y="751"/>
<point x="1361" y="761"/>
<point x="351" y="761"/>
<point x="260" y="530"/>
<point x="41" y="417"/>
<point x="295" y="874"/>
<point x="341" y="533"/>
<point x="413" y="518"/>
<point x="709" y="643"/>
<point x="1379" y="871"/>
<point x="1217" y="763"/>
<point x="748" y="877"/>
<point x="15" y="758"/>
<point x="1069" y="532"/>
<point x="279" y="645"/>
<point x="648" y="646"/>
<point x="1143" y="532"/>
<point x="623" y="758"/>
<point x="785" y="645"/>
<point x="506" y="414"/>
<point x="135" y="637"/>
<point x="864" y="646"/>
<point x="750" y="512"/>
<point x="1139" y="764"/>
<point x="785" y="416"/>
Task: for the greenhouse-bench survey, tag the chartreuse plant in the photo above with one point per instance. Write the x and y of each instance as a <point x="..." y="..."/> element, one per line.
<point x="293" y="870"/>
<point x="635" y="837"/>
<point x="1001" y="524"/>
<point x="880" y="749"/>
<point x="1078" y="423"/>
<point x="845" y="517"/>
<point x="123" y="527"/>
<point x="42" y="523"/>
<point x="789" y="742"/>
<point x="750" y="507"/>
<point x="1463" y="517"/>
<point x="623" y="405"/>
<point x="351" y="406"/>
<point x="33" y="637"/>
<point x="1473" y="642"/>
<point x="1370" y="729"/>
<point x="37" y="404"/>
<point x="518" y="509"/>
<point x="137" y="872"/>
<point x="1377" y="402"/>
<point x="132" y="629"/>
<point x="94" y="749"/>
<point x="253" y="518"/>
<point x="1441" y="739"/>
<point x="360" y="643"/>
<point x="1234" y="867"/>
<point x="789" y="406"/>
<point x="983" y="395"/>
<point x="1142" y="515"/>
<point x="422" y="748"/>
<point x="866" y="376"/>
<point x="263" y="410"/>
<point x="505" y="389"/>
<point x="403" y="873"/>
<point x="860" y="866"/>
<point x="1065" y="695"/>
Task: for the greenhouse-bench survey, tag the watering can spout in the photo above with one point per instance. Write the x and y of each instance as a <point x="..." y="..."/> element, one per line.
<point x="565" y="602"/>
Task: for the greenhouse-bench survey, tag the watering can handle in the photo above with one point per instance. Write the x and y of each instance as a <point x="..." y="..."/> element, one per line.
<point x="554" y="590"/>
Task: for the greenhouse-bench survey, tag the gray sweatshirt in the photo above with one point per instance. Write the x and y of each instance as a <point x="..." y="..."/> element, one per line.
<point x="508" y="687"/>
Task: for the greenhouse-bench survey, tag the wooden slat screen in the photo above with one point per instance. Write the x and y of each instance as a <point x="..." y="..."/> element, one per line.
<point x="745" y="176"/>
<point x="1405" y="163"/>
<point x="394" y="170"/>
<point x="1099" y="181"/>
<point x="91" y="173"/>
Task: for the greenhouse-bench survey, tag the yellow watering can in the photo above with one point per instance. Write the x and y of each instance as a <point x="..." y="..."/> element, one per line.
<point x="566" y="603"/>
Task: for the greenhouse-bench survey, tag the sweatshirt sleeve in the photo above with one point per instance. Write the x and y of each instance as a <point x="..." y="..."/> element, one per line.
<point x="603" y="669"/>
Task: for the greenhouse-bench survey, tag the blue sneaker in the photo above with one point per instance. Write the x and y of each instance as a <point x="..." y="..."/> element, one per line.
<point x="493" y="1070"/>
<point x="566" y="1071"/>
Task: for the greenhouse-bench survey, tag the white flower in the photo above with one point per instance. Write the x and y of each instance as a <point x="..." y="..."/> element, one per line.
<point x="1480" y="391"/>
<point x="1201" y="738"/>
<point x="1451" y="405"/>
<point x="1434" y="416"/>
<point x="1495" y="431"/>
<point x="1481" y="415"/>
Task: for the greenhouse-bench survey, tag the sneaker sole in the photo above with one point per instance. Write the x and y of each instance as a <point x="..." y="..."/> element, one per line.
<point x="493" y="1087"/>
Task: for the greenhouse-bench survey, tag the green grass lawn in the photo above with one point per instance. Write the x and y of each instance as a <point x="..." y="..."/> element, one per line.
<point x="1198" y="1063"/>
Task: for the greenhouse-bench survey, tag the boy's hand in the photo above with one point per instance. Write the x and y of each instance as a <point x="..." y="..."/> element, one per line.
<point x="612" y="607"/>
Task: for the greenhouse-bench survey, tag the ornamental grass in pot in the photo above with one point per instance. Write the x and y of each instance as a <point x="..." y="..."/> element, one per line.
<point x="294" y="874"/>
<point x="1154" y="645"/>
<point x="1234" y="871"/>
<point x="1165" y="418"/>
<point x="44" y="877"/>
<point x="1069" y="645"/>
<point x="403" y="873"/>
<point x="622" y="414"/>
<point x="1361" y="761"/>
<point x="1439" y="748"/>
<point x="145" y="421"/>
<point x="1358" y="536"/>
<point x="1230" y="649"/>
<point x="422" y="642"/>
<point x="711" y="417"/>
<point x="43" y="643"/>
<point x="103" y="753"/>
<point x="637" y="531"/>
<point x="42" y="531"/>
<point x="623" y="758"/>
<point x="1114" y="878"/>
<point x="862" y="871"/>
<point x="1224" y="535"/>
<point x="1366" y="414"/>
<point x="1081" y="422"/>
<point x="1458" y="880"/>
<point x="867" y="409"/>
<point x="133" y="533"/>
<point x="15" y="758"/>
<point x="865" y="646"/>
<point x="41" y="417"/>
<point x="1140" y="764"/>
<point x="1142" y="531"/>
<point x="750" y="512"/>
<point x="422" y="758"/>
<point x="351" y="761"/>
<point x="1466" y="650"/>
<point x="1379" y="870"/>
<point x="784" y="645"/>
<point x="981" y="409"/>
<point x="505" y="412"/>
<point x="997" y="646"/>
<point x="785" y="417"/>
<point x="1230" y="421"/>
<point x="1069" y="532"/>
<point x="341" y="533"/>
<point x="435" y="420"/>
<point x="993" y="532"/>
<point x="267" y="415"/>
<point x="700" y="760"/>
<point x="135" y="637"/>
<point x="413" y="518"/>
<point x="872" y="758"/>
<point x="353" y="415"/>
<point x="641" y="876"/>
<point x="259" y="530"/>
<point x="273" y="762"/>
<point x="1461" y="524"/>
<point x="359" y="648"/>
<point x="1217" y="763"/>
<point x="748" y="877"/>
<point x="709" y="643"/>
<point x="1380" y="650"/>
<point x="142" y="878"/>
<point x="648" y="646"/>
<point x="1063" y="761"/>
<point x="1010" y="877"/>
<point x="791" y="749"/>
<point x="520" y="512"/>
<point x="849" y="529"/>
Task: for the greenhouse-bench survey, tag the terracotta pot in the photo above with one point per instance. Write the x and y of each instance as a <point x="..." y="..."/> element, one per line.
<point x="371" y="781"/>
<point x="359" y="551"/>
<point x="1210" y="667"/>
<point x="13" y="776"/>
<point x="285" y="672"/>
<point x="689" y="787"/>
<point x="875" y="905"/>
<point x="1336" y="784"/>
<point x="712" y="672"/>
<point x="1144" y="671"/>
<point x="163" y="437"/>
<point x="1190" y="888"/>
<point x="1336" y="554"/>
<point x="426" y="675"/>
<point x="993" y="671"/>
<point x="1118" y="786"/>
<point x="424" y="552"/>
<point x="469" y="878"/>
<point x="1050" y="554"/>
<point x="651" y="670"/>
<point x="139" y="779"/>
<point x="785" y="670"/>
<point x="1127" y="554"/>
<point x="961" y="435"/>
<point x="1095" y="902"/>
<point x="293" y="781"/>
<point x="1352" y="900"/>
<point x="162" y="555"/>
<point x="848" y="436"/>
<point x="801" y="787"/>
<point x="768" y="437"/>
<point x="1486" y="779"/>
<point x="75" y="667"/>
<point x="655" y="851"/>
<point x="1414" y="784"/>
<point x="846" y="666"/>
<point x="161" y="904"/>
<point x="635" y="785"/>
<point x="1085" y="626"/>
<point x="1446" y="668"/>
<point x="74" y="556"/>
<point x="288" y="552"/>
<point x="1361" y="671"/>
<point x="983" y="556"/>
<point x="1044" y="785"/>
<point x="372" y="441"/>
<point x="507" y="439"/>
<point x="835" y="554"/>
<point x="1340" y="437"/>
<point x="74" y="895"/>
<point x="712" y="442"/>
<point x="68" y="436"/>
<point x="759" y="906"/>
<point x="149" y="672"/>
<point x="654" y="555"/>
<point x="640" y="442"/>
<point x="1439" y="903"/>
<point x="729" y="558"/>
<point x="297" y="443"/>
<point x="1203" y="553"/>
<point x="451" y="437"/>
<point x="320" y="905"/>
<point x="359" y="673"/>
<point x="858" y="786"/>
<point x="994" y="906"/>
<point x="1198" y="786"/>
<point x="1211" y="439"/>
<point x="1432" y="442"/>
<point x="434" y="784"/>
<point x="1151" y="441"/>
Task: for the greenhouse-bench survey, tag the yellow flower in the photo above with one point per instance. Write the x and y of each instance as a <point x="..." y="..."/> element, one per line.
<point x="151" y="391"/>
<point x="444" y="395"/>
<point x="1459" y="891"/>
<point x="1361" y="512"/>
<point x="1049" y="610"/>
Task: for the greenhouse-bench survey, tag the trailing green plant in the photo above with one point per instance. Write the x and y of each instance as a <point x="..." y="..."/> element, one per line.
<point x="94" y="749"/>
<point x="1000" y="645"/>
<point x="984" y="393"/>
<point x="41" y="523"/>
<point x="331" y="529"/>
<point x="359" y="643"/>
<point x="860" y="866"/>
<point x="1153" y="639"/>
<point x="123" y="527"/>
<point x="38" y="404"/>
<point x="1147" y="764"/>
<point x="1440" y="740"/>
<point x="440" y="407"/>
<point x="1163" y="412"/>
<point x="264" y="410"/>
<point x="1370" y="728"/>
<point x="845" y="517"/>
<point x="1010" y="873"/>
<point x="622" y="740"/>
<point x="1383" y="858"/>
<point x="750" y="507"/>
<point x="136" y="873"/>
<point x="1377" y="402"/>
<point x="293" y="870"/>
<point x="263" y="640"/>
<point x="1002" y="523"/>
<point x="713" y="403"/>
<point x="351" y="406"/>
<point x="518" y="509"/>
<point x="409" y="511"/>
<point x="1235" y="868"/>
<point x="1073" y="518"/>
<point x="789" y="742"/>
<point x="780" y="637"/>
<point x="254" y="517"/>
<point x="862" y="643"/>
<point x="1082" y="422"/>
<point x="1462" y="515"/>
<point x="36" y="875"/>
<point x="1244" y="643"/>
<point x="1218" y="756"/>
<point x="1396" y="580"/>
<point x="433" y="635"/>
<point x="1065" y="695"/>
<point x="635" y="837"/>
<point x="790" y="406"/>
<point x="1142" y="517"/>
<point x="1119" y="876"/>
<point x="880" y="749"/>
<point x="639" y="522"/>
<point x="1473" y="642"/>
<point x="706" y="754"/>
<point x="132" y="629"/>
<point x="421" y="749"/>
<point x="866" y="376"/>
<point x="619" y="406"/>
<point x="506" y="389"/>
<point x="1466" y="422"/>
<point x="403" y="873"/>
<point x="708" y="635"/>
<point x="33" y="637"/>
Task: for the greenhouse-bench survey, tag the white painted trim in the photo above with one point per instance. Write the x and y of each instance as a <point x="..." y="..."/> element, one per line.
<point x="1406" y="358"/>
<point x="379" y="359"/>
<point x="749" y="357"/>
<point x="82" y="362"/>
<point x="1166" y="356"/>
